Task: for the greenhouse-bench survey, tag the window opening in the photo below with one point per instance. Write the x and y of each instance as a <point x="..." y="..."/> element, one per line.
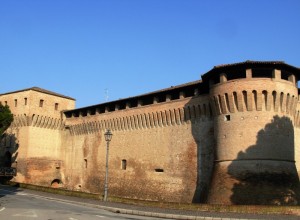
<point x="85" y="163"/>
<point x="159" y="170"/>
<point x="236" y="74"/>
<point x="16" y="102"/>
<point x="41" y="103"/>
<point x="262" y="73"/>
<point x="285" y="75"/>
<point x="25" y="101"/>
<point x="124" y="164"/>
<point x="56" y="106"/>
<point x="227" y="118"/>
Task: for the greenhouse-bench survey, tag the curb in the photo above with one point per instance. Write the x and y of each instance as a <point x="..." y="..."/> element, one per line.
<point x="134" y="212"/>
<point x="140" y="213"/>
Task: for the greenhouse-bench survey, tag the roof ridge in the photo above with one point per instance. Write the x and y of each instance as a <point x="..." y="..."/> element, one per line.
<point x="38" y="89"/>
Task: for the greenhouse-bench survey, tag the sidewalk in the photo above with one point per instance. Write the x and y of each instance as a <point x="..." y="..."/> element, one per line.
<point x="153" y="211"/>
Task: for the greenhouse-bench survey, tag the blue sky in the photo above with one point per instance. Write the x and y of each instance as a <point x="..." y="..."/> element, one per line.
<point x="130" y="47"/>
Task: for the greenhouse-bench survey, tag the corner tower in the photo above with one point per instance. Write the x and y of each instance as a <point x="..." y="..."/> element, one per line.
<point x="254" y="106"/>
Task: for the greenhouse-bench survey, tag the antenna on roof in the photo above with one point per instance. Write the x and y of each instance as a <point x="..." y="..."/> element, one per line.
<point x="106" y="95"/>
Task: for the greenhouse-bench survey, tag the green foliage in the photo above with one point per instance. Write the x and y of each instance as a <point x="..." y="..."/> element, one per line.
<point x="6" y="118"/>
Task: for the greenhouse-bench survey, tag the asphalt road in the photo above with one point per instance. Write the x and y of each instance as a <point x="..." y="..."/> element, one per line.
<point x="20" y="204"/>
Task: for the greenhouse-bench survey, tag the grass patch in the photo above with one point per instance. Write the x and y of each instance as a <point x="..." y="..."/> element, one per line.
<point x="254" y="209"/>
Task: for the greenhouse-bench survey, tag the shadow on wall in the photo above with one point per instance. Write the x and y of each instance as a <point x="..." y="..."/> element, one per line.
<point x="9" y="155"/>
<point x="265" y="173"/>
<point x="200" y="117"/>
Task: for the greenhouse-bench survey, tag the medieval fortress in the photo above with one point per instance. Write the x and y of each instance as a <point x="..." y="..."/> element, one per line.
<point x="231" y="138"/>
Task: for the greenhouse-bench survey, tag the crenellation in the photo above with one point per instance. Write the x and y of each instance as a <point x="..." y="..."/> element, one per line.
<point x="248" y="73"/>
<point x="276" y="74"/>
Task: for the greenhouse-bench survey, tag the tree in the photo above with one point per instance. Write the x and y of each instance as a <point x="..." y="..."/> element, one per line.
<point x="6" y="118"/>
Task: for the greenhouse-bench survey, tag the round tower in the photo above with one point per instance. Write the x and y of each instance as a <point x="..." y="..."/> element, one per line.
<point x="254" y="104"/>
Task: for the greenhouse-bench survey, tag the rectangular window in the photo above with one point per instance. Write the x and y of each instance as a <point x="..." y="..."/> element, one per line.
<point x="25" y="101"/>
<point x="41" y="103"/>
<point x="124" y="164"/>
<point x="227" y="118"/>
<point x="159" y="170"/>
<point x="56" y="106"/>
<point x="5" y="102"/>
<point x="16" y="102"/>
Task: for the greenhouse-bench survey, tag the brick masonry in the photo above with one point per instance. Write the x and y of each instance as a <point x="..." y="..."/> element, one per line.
<point x="231" y="138"/>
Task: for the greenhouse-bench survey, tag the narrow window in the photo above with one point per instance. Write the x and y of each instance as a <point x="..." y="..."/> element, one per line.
<point x="41" y="102"/>
<point x="159" y="170"/>
<point x="124" y="164"/>
<point x="5" y="102"/>
<point x="56" y="106"/>
<point x="16" y="102"/>
<point x="25" y="101"/>
<point x="227" y="118"/>
<point x="85" y="163"/>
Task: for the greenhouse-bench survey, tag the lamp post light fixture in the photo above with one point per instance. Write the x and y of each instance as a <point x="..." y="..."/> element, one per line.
<point x="108" y="136"/>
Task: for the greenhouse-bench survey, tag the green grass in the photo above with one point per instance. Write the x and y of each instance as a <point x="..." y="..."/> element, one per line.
<point x="256" y="209"/>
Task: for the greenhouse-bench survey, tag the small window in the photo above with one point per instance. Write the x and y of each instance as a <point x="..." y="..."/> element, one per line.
<point x="25" y="101"/>
<point x="16" y="102"/>
<point x="227" y="118"/>
<point x="41" y="103"/>
<point x="56" y="106"/>
<point x="159" y="170"/>
<point x="85" y="163"/>
<point x="124" y="164"/>
<point x="57" y="166"/>
<point x="5" y="102"/>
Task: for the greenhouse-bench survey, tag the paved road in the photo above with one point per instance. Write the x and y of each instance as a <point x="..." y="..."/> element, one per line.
<point x="19" y="204"/>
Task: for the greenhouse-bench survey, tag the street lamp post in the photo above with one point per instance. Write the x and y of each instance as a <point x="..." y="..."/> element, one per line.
<point x="108" y="136"/>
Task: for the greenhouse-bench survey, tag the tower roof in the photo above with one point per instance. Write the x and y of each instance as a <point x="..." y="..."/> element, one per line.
<point x="38" y="89"/>
<point x="248" y="64"/>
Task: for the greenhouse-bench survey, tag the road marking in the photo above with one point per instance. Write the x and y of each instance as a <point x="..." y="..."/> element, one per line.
<point x="30" y="213"/>
<point x="2" y="209"/>
<point x="21" y="194"/>
<point x="73" y="218"/>
<point x="100" y="216"/>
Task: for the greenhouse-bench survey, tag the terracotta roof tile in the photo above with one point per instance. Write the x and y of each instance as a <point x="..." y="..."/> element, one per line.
<point x="37" y="89"/>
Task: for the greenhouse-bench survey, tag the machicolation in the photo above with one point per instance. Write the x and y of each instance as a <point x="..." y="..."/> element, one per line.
<point x="231" y="138"/>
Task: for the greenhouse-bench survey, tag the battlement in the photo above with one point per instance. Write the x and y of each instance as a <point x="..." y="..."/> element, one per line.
<point x="276" y="70"/>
